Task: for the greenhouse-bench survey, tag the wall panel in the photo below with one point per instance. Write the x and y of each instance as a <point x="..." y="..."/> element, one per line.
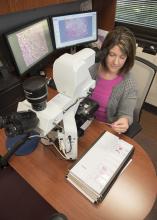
<point x="9" y="6"/>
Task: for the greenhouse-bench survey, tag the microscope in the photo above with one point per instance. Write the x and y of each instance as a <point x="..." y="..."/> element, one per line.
<point x="63" y="112"/>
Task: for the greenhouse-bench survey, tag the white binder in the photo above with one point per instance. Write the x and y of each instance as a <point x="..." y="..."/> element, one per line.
<point x="95" y="172"/>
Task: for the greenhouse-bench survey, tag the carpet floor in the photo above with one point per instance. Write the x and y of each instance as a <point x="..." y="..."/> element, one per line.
<point x="19" y="201"/>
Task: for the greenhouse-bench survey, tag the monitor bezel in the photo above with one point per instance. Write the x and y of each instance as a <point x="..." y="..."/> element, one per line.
<point x="34" y="67"/>
<point x="68" y="14"/>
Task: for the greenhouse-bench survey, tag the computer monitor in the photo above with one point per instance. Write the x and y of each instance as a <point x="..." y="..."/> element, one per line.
<point x="74" y="29"/>
<point x="30" y="45"/>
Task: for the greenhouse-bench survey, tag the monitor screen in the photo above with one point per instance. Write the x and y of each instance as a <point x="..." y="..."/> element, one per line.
<point x="30" y="45"/>
<point x="74" y="29"/>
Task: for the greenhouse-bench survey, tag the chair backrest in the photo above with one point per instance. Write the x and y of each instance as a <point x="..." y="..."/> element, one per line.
<point x="94" y="69"/>
<point x="143" y="72"/>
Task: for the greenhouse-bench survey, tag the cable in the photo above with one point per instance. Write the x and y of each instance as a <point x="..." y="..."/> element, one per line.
<point x="59" y="151"/>
<point x="53" y="145"/>
<point x="35" y="135"/>
<point x="69" y="137"/>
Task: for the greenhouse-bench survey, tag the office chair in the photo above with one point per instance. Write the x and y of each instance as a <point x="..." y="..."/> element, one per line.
<point x="143" y="72"/>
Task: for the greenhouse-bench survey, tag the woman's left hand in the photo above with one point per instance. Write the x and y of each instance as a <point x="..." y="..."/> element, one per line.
<point x="121" y="125"/>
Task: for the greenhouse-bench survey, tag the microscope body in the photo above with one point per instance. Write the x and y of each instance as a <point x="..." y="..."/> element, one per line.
<point x="74" y="83"/>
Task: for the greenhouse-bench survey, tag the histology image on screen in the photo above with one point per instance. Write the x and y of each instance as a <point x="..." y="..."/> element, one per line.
<point x="76" y="28"/>
<point x="33" y="44"/>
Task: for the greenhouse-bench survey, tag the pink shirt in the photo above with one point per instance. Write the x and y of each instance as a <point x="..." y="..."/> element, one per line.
<point x="102" y="93"/>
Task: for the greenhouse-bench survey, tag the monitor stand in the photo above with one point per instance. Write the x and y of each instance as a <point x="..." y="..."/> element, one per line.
<point x="73" y="50"/>
<point x="7" y="77"/>
<point x="51" y="84"/>
<point x="4" y="73"/>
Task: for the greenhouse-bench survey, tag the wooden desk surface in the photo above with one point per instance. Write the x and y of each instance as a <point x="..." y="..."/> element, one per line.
<point x="130" y="198"/>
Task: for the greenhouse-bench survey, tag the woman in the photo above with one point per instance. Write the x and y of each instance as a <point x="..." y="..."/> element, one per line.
<point x="115" y="89"/>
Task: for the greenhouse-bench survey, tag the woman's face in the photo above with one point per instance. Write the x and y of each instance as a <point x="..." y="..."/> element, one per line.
<point x="115" y="60"/>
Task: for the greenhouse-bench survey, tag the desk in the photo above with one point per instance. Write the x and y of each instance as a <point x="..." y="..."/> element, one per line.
<point x="130" y="198"/>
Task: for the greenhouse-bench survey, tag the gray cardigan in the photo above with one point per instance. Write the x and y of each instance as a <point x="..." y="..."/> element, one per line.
<point x="123" y="100"/>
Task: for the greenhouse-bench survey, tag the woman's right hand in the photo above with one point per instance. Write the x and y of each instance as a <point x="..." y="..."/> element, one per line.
<point x="121" y="125"/>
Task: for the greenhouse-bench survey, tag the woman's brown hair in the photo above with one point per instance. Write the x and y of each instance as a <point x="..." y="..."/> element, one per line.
<point x="124" y="38"/>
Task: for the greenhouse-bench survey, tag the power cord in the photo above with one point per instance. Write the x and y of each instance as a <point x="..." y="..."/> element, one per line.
<point x="52" y="144"/>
